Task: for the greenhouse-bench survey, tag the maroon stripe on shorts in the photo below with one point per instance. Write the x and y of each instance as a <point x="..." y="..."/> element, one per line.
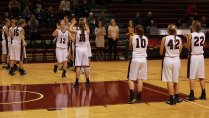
<point x="21" y="51"/>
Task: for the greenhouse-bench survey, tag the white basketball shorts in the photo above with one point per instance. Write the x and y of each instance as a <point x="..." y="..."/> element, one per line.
<point x="138" y="69"/>
<point x="15" y="52"/>
<point x="171" y="69"/>
<point x="61" y="54"/>
<point x="196" y="67"/>
<point x="81" y="57"/>
<point x="4" y="48"/>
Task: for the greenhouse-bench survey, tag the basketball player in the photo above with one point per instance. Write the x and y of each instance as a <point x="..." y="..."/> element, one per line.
<point x="196" y="62"/>
<point x="137" y="70"/>
<point x="17" y="53"/>
<point x="10" y="38"/>
<point x="81" y="50"/>
<point x="170" y="48"/>
<point x="5" y="47"/>
<point x="63" y="37"/>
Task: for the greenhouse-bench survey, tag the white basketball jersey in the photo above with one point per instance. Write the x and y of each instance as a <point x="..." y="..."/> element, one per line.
<point x="81" y="42"/>
<point x="172" y="46"/>
<point x="139" y="46"/>
<point x="17" y="38"/>
<point x="62" y="39"/>
<point x="197" y="43"/>
<point x="3" y="33"/>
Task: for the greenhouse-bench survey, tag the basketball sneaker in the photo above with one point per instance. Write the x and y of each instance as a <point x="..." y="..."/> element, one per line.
<point x="22" y="72"/>
<point x="11" y="71"/>
<point x="178" y="100"/>
<point x="55" y="68"/>
<point x="64" y="73"/>
<point x="190" y="98"/>
<point x="171" y="102"/>
<point x="203" y="96"/>
<point x="131" y="101"/>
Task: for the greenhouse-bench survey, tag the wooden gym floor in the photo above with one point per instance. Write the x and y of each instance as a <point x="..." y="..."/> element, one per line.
<point x="44" y="94"/>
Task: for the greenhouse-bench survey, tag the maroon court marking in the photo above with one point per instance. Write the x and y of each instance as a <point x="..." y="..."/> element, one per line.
<point x="57" y="96"/>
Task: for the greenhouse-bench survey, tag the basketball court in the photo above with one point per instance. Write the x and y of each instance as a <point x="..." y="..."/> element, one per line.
<point x="44" y="94"/>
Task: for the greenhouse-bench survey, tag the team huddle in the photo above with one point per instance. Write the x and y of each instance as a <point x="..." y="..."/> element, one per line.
<point x="72" y="43"/>
<point x="170" y="48"/>
<point x="13" y="45"/>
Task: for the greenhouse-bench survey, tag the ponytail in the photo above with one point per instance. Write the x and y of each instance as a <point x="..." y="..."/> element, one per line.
<point x="82" y="34"/>
<point x="82" y="28"/>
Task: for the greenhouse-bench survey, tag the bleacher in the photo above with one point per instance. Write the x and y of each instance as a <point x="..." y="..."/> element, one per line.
<point x="164" y="12"/>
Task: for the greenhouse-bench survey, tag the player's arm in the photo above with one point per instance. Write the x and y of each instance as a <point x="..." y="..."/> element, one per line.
<point x="130" y="43"/>
<point x="22" y="36"/>
<point x="11" y="33"/>
<point x="55" y="33"/>
<point x="162" y="46"/>
<point x="70" y="37"/>
<point x="87" y="28"/>
<point x="71" y="27"/>
<point x="6" y="30"/>
<point x="189" y="38"/>
<point x="180" y="47"/>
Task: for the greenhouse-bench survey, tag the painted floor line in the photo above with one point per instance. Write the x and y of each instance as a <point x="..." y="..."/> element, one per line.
<point x="199" y="105"/>
<point x="194" y="103"/>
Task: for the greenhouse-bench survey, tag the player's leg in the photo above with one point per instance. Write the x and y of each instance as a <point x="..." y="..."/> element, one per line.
<point x="176" y="92"/>
<point x="76" y="84"/>
<point x="12" y="69"/>
<point x="65" y="60"/>
<point x="4" y="52"/>
<point x="167" y="77"/>
<point x="202" y="85"/>
<point x="21" y="61"/>
<point x="8" y="62"/>
<point x="201" y="76"/>
<point x="87" y="73"/>
<point x="176" y="70"/>
<point x="86" y="63"/>
<point x="77" y="58"/>
<point x="59" y="59"/>
<point x="170" y="87"/>
<point x="139" y="90"/>
<point x="8" y="56"/>
<point x="132" y="76"/>
<point x="192" y="75"/>
<point x="142" y="75"/>
<point x="3" y="61"/>
<point x="64" y="68"/>
<point x="131" y="89"/>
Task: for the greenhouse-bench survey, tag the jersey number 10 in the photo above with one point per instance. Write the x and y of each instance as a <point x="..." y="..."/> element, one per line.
<point x="143" y="43"/>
